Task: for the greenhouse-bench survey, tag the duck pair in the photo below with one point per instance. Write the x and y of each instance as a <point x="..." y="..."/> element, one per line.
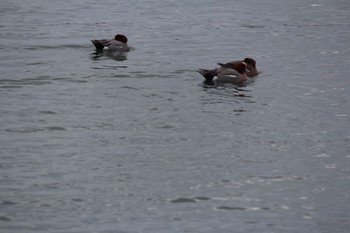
<point x="232" y="72"/>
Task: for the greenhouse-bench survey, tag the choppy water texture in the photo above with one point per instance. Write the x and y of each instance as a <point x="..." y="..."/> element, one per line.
<point x="95" y="143"/>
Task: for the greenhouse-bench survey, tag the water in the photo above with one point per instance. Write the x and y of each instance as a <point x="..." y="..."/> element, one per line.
<point x="139" y="144"/>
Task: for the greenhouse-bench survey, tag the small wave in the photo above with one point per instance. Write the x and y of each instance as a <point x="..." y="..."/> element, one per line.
<point x="13" y="83"/>
<point x="5" y="218"/>
<point x="105" y="67"/>
<point x="64" y="46"/>
<point x="5" y="202"/>
<point x="252" y="26"/>
<point x="54" y="128"/>
<point x="231" y="208"/>
<point x="269" y="179"/>
<point x="183" y="200"/>
<point x="189" y="200"/>
<point x="47" y="112"/>
<point x="10" y="87"/>
<point x="33" y="130"/>
<point x="202" y="198"/>
<point x="238" y="208"/>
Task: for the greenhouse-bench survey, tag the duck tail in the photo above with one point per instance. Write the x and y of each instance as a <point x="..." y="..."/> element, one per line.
<point x="207" y="74"/>
<point x="221" y="64"/>
<point x="98" y="44"/>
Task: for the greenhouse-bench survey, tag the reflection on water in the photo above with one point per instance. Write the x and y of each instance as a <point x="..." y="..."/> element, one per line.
<point x="116" y="55"/>
<point x="136" y="142"/>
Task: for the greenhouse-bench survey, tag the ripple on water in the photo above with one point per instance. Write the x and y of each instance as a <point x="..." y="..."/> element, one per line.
<point x="14" y="83"/>
<point x="269" y="179"/>
<point x="230" y="208"/>
<point x="5" y="219"/>
<point x="6" y="202"/>
<point x="47" y="112"/>
<point x="190" y="199"/>
<point x="33" y="130"/>
<point x="183" y="200"/>
<point x="55" y="47"/>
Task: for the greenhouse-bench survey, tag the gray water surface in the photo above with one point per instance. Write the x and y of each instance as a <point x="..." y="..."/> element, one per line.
<point x="98" y="143"/>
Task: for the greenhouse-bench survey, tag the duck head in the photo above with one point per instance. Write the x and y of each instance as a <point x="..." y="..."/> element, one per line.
<point x="250" y="62"/>
<point x="121" y="38"/>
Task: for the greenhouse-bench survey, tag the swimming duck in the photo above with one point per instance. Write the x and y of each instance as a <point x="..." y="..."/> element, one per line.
<point x="251" y="66"/>
<point x="232" y="75"/>
<point x="118" y="43"/>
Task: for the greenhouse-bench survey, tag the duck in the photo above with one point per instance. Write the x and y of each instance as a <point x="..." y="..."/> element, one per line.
<point x="251" y="66"/>
<point x="118" y="43"/>
<point x="236" y="75"/>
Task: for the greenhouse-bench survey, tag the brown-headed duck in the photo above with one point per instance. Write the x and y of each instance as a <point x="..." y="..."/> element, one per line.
<point x="251" y="66"/>
<point x="235" y="75"/>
